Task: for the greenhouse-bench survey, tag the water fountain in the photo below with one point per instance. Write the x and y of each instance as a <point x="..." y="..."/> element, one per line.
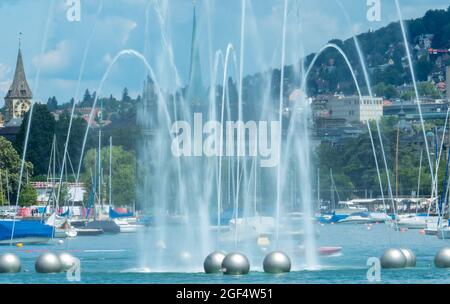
<point x="187" y="195"/>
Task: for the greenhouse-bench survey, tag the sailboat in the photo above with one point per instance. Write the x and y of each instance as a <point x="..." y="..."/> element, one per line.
<point x="100" y="221"/>
<point x="125" y="221"/>
<point x="61" y="224"/>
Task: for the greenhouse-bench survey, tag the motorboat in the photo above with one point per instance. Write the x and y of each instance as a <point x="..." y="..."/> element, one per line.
<point x="107" y="226"/>
<point x="415" y="221"/>
<point x="88" y="231"/>
<point x="359" y="218"/>
<point x="127" y="226"/>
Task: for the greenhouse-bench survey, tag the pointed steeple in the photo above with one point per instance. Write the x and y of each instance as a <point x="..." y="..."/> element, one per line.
<point x="19" y="87"/>
<point x="18" y="98"/>
<point x="195" y="90"/>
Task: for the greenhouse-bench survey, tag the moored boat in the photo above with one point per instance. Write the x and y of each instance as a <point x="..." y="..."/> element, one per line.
<point x="25" y="232"/>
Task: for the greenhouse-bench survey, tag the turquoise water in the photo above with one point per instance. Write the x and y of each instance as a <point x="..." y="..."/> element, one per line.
<point x="114" y="259"/>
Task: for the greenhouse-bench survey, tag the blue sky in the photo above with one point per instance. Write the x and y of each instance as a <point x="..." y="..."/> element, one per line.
<point x="122" y="25"/>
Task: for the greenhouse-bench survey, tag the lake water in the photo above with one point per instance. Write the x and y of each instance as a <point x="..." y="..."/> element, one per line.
<point x="114" y="259"/>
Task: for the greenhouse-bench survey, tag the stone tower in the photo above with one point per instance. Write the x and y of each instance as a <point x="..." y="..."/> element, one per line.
<point x="19" y="96"/>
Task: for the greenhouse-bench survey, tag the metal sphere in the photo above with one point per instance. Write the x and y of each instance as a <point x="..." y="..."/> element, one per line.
<point x="393" y="258"/>
<point x="48" y="263"/>
<point x="235" y="264"/>
<point x="213" y="262"/>
<point x="442" y="258"/>
<point x="277" y="262"/>
<point x="67" y="260"/>
<point x="410" y="257"/>
<point x="9" y="263"/>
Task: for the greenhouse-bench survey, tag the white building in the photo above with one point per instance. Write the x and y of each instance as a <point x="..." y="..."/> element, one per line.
<point x="352" y="109"/>
<point x="44" y="190"/>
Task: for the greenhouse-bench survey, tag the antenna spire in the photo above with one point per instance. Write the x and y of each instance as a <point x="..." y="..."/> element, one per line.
<point x="20" y="39"/>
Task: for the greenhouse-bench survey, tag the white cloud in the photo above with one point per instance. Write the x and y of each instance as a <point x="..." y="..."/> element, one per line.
<point x="54" y="60"/>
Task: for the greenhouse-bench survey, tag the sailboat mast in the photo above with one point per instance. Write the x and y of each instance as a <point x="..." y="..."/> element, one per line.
<point x="332" y="190"/>
<point x="110" y="171"/>
<point x="318" y="188"/>
<point x="7" y="188"/>
<point x="99" y="172"/>
<point x="396" y="161"/>
<point x="1" y="188"/>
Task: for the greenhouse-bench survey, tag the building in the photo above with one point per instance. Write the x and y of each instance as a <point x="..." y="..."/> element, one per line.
<point x="75" y="192"/>
<point x="19" y="96"/>
<point x="410" y="110"/>
<point x="352" y="109"/>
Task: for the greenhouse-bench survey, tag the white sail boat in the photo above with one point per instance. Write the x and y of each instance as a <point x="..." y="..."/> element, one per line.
<point x="126" y="223"/>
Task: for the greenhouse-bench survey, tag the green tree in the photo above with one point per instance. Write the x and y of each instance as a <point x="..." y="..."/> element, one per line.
<point x="123" y="174"/>
<point x="52" y="104"/>
<point x="40" y="138"/>
<point x="28" y="196"/>
<point x="76" y="136"/>
<point x="10" y="164"/>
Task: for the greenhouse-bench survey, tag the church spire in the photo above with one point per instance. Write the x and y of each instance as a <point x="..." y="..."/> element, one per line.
<point x="195" y="89"/>
<point x="19" y="87"/>
<point x="18" y="98"/>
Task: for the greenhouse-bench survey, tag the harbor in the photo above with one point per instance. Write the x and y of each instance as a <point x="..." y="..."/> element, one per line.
<point x="209" y="142"/>
<point x="113" y="259"/>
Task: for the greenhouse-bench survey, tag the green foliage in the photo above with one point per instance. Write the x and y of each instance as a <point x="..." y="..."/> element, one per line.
<point x="354" y="169"/>
<point x="10" y="163"/>
<point x="28" y="196"/>
<point x="76" y="136"/>
<point x="40" y="138"/>
<point x="386" y="91"/>
<point x="123" y="174"/>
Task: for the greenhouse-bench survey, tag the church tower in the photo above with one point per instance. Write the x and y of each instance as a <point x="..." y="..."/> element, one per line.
<point x="195" y="94"/>
<point x="19" y="96"/>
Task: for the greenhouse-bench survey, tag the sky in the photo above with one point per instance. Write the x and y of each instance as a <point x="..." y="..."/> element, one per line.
<point x="54" y="46"/>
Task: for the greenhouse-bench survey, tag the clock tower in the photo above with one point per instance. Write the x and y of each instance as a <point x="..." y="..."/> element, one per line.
<point x="19" y="96"/>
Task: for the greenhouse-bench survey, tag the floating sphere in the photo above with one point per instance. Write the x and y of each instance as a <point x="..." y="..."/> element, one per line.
<point x="48" y="263"/>
<point x="213" y="262"/>
<point x="393" y="258"/>
<point x="410" y="257"/>
<point x="277" y="262"/>
<point x="67" y="260"/>
<point x="442" y="258"/>
<point x="9" y="263"/>
<point x="235" y="264"/>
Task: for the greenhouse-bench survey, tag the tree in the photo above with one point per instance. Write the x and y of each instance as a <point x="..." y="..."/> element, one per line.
<point x="78" y="130"/>
<point x="10" y="164"/>
<point x="87" y="98"/>
<point x="52" y="104"/>
<point x="123" y="174"/>
<point x="386" y="91"/>
<point x="40" y="138"/>
<point x="125" y="96"/>
<point x="28" y="196"/>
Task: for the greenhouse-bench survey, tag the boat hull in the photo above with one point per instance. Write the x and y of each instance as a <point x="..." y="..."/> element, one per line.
<point x="26" y="241"/>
